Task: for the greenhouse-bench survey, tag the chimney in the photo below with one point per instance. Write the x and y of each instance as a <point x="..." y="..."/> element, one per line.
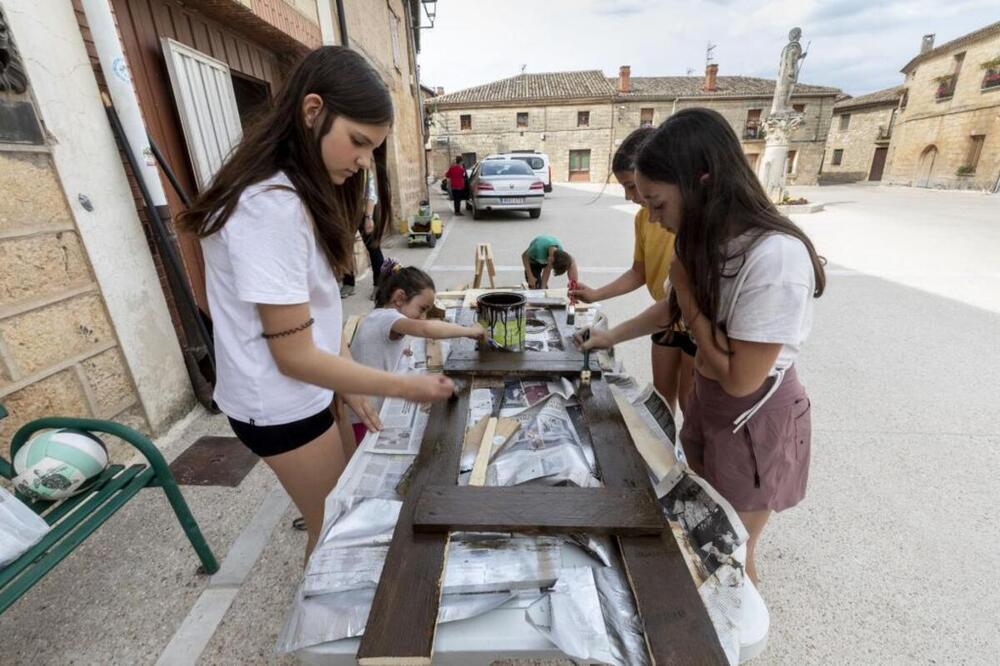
<point x="927" y="43"/>
<point x="439" y="90"/>
<point x="710" y="74"/>
<point x="624" y="79"/>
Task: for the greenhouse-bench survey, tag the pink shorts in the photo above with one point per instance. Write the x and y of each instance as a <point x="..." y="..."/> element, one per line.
<point x="359" y="432"/>
<point x="763" y="465"/>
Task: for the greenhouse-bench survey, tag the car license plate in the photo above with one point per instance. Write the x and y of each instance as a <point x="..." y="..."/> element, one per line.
<point x="512" y="200"/>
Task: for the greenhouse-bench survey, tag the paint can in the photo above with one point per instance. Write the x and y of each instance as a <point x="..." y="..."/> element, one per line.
<point x="502" y="314"/>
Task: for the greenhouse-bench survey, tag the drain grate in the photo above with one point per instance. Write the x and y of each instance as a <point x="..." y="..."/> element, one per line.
<point x="214" y="461"/>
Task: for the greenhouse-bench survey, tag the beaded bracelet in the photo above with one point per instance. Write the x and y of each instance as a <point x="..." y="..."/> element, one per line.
<point x="291" y="331"/>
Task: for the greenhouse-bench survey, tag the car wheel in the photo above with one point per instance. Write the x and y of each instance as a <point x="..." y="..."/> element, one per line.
<point x="431" y="240"/>
<point x="535" y="214"/>
<point x="547" y="188"/>
<point x="477" y="214"/>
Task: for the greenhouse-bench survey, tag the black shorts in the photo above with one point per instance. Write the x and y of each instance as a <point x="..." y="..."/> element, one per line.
<point x="536" y="272"/>
<point x="271" y="440"/>
<point x="680" y="339"/>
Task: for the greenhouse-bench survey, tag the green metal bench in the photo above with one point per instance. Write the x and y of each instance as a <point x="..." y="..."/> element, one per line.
<point x="74" y="519"/>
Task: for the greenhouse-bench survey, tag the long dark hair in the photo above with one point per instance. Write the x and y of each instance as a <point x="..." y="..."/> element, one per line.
<point x="624" y="158"/>
<point x="697" y="150"/>
<point x="410" y="279"/>
<point x="279" y="140"/>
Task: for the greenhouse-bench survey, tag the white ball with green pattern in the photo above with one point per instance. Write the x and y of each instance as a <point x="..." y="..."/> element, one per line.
<point x="56" y="464"/>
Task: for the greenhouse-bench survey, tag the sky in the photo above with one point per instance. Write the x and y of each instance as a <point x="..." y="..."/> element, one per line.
<point x="856" y="45"/>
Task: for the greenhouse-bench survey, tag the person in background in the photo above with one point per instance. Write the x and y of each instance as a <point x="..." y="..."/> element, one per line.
<point x="544" y="257"/>
<point x="371" y="239"/>
<point x="456" y="183"/>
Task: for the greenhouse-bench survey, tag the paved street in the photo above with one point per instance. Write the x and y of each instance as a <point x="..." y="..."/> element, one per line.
<point x="889" y="559"/>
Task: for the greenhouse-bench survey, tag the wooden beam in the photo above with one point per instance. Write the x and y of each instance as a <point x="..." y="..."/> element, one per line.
<point x="403" y="617"/>
<point x="538" y="510"/>
<point x="676" y="623"/>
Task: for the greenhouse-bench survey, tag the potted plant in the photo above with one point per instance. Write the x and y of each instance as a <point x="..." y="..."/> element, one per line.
<point x="991" y="78"/>
<point x="944" y="88"/>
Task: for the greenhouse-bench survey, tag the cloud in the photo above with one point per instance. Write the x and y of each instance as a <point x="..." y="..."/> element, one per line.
<point x="619" y="7"/>
<point x="856" y="45"/>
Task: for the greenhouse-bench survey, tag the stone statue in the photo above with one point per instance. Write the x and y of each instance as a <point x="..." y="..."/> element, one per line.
<point x="788" y="71"/>
<point x="779" y="125"/>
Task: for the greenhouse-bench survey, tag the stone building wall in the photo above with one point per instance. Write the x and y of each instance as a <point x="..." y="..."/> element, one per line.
<point x="932" y="137"/>
<point x="369" y="28"/>
<point x="552" y="129"/>
<point x="858" y="143"/>
<point x="59" y="354"/>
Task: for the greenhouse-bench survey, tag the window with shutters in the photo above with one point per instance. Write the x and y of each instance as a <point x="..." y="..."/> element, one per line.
<point x="206" y="105"/>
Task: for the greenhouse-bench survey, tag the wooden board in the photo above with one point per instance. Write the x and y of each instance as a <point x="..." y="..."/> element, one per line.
<point x="677" y="626"/>
<point x="464" y="358"/>
<point x="538" y="510"/>
<point x="403" y="616"/>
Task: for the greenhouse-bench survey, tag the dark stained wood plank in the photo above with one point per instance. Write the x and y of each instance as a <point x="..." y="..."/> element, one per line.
<point x="218" y="43"/>
<point x="538" y="510"/>
<point x="182" y="25"/>
<point x="199" y="31"/>
<point x="677" y="626"/>
<point x="403" y="617"/>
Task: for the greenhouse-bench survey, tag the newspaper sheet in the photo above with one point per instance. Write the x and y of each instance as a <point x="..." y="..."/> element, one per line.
<point x="403" y="425"/>
<point x="374" y="476"/>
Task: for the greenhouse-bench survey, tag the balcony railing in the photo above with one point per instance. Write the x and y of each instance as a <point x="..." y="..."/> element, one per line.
<point x="753" y="132"/>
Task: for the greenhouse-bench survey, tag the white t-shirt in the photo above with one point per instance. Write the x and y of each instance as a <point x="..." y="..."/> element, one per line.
<point x="375" y="347"/>
<point x="773" y="285"/>
<point x="267" y="252"/>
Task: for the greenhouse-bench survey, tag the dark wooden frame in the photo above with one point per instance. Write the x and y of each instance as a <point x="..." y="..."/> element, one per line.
<point x="403" y="618"/>
<point x="465" y="359"/>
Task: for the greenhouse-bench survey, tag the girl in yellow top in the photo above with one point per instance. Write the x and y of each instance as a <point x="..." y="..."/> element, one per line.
<point x="654" y="251"/>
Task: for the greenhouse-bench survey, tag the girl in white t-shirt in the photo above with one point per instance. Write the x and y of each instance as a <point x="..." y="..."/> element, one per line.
<point x="402" y="300"/>
<point x="743" y="282"/>
<point x="276" y="225"/>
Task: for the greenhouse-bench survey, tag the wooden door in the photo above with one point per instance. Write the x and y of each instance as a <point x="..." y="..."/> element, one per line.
<point x="925" y="169"/>
<point x="878" y="164"/>
<point x="579" y="166"/>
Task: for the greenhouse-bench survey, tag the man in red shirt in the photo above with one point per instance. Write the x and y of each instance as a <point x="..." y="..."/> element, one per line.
<point x="456" y="179"/>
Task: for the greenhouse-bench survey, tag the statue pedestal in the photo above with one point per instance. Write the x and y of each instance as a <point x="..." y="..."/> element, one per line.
<point x="774" y="161"/>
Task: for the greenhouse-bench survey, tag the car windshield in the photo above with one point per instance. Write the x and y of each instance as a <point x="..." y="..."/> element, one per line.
<point x="533" y="162"/>
<point x="506" y="168"/>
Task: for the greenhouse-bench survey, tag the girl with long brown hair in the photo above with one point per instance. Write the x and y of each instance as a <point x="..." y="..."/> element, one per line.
<point x="277" y="225"/>
<point x="743" y="282"/>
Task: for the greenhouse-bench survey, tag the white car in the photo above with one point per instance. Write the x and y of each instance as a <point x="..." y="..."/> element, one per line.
<point x="539" y="163"/>
<point x="505" y="185"/>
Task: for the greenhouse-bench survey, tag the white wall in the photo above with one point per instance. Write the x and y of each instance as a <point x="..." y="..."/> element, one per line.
<point x="85" y="155"/>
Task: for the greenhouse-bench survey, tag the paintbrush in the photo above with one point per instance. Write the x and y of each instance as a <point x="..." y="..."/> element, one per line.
<point x="585" y="373"/>
<point x="571" y="309"/>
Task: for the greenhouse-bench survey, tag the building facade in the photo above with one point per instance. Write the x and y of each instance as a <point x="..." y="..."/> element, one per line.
<point x="857" y="147"/>
<point x="947" y="130"/>
<point x="580" y="118"/>
<point x="92" y="319"/>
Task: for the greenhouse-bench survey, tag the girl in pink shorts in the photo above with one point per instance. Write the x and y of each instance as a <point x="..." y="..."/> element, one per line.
<point x="743" y="282"/>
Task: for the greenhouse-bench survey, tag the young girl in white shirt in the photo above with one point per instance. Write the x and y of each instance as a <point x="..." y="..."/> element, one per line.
<point x="276" y="225"/>
<point x="402" y="300"/>
<point x="743" y="281"/>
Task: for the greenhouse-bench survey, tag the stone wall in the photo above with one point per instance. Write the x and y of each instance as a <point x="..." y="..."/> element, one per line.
<point x="369" y="30"/>
<point x="58" y="351"/>
<point x="858" y="142"/>
<point x="552" y="129"/>
<point x="942" y="128"/>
